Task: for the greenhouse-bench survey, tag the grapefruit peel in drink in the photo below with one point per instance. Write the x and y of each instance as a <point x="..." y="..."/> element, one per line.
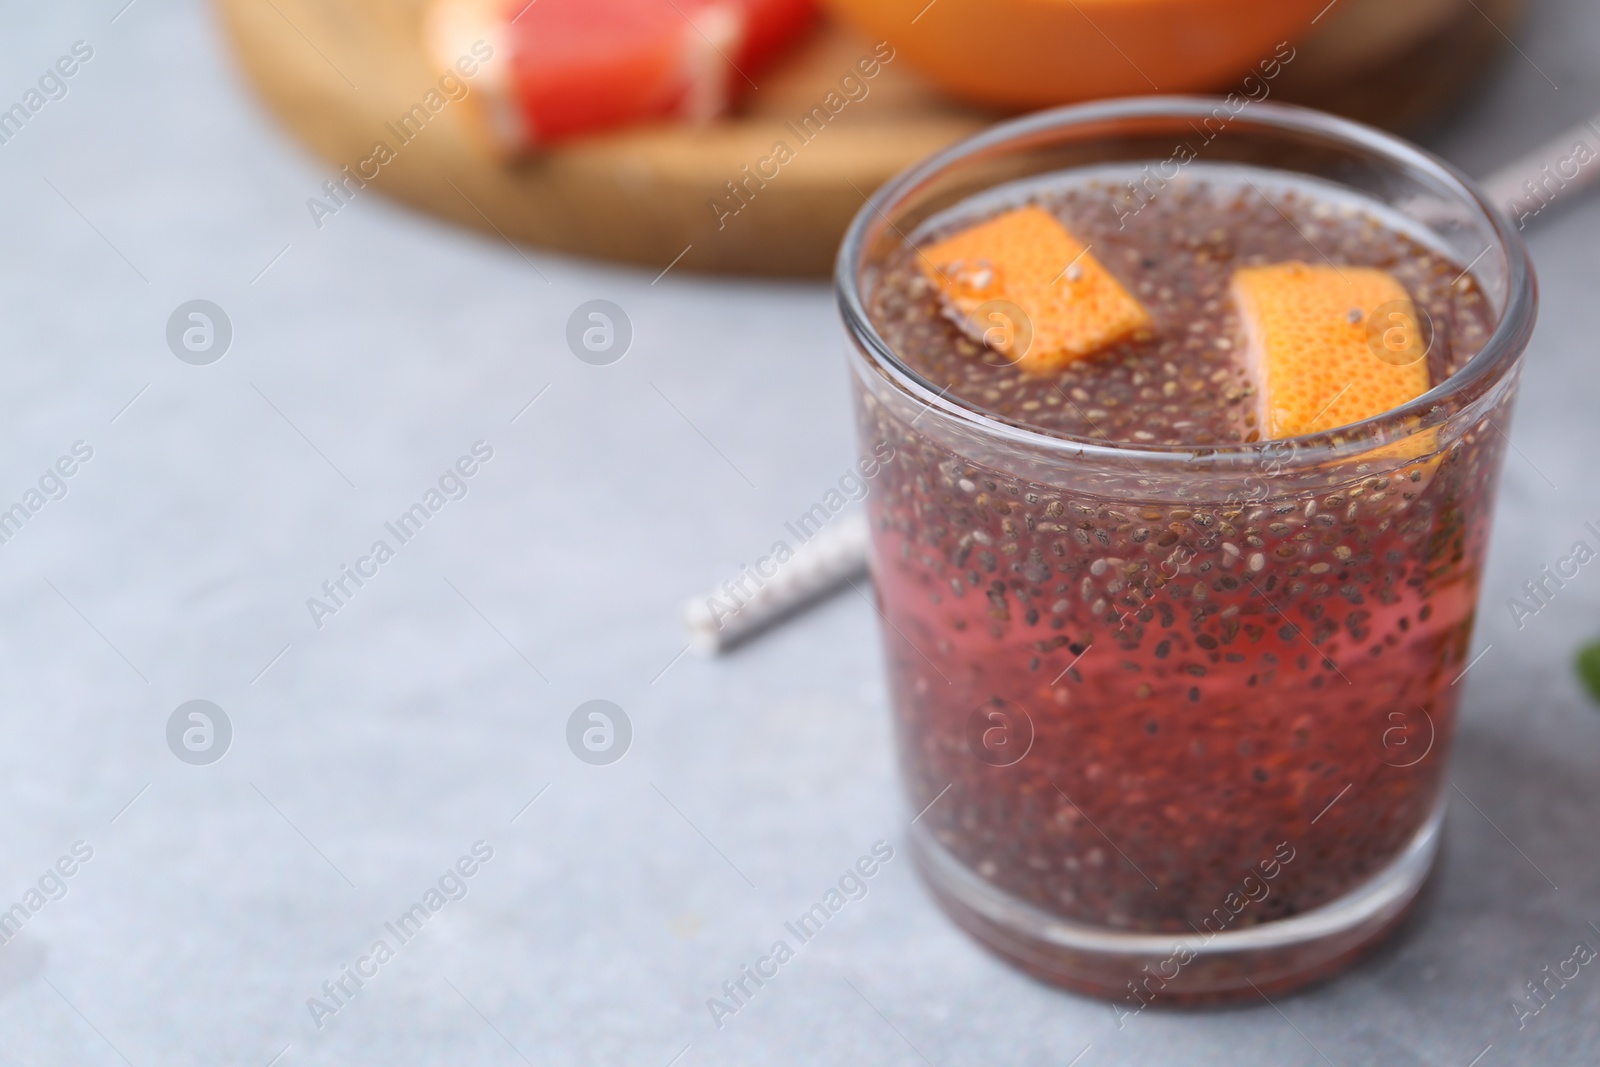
<point x="1025" y="286"/>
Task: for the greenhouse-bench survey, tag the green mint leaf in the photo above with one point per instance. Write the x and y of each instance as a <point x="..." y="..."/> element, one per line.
<point x="1589" y="668"/>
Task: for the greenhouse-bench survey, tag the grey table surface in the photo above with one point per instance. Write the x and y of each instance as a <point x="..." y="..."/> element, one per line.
<point x="369" y="754"/>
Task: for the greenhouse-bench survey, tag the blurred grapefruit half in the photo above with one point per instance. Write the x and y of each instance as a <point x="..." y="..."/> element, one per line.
<point x="1036" y="53"/>
<point x="569" y="67"/>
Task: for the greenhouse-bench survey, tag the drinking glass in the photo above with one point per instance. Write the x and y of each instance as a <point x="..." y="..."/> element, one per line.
<point x="1173" y="721"/>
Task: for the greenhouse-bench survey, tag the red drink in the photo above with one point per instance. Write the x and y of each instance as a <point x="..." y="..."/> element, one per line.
<point x="1174" y="702"/>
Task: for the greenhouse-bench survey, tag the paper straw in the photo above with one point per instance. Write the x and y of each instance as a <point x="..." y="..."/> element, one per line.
<point x="1553" y="173"/>
<point x="750" y="603"/>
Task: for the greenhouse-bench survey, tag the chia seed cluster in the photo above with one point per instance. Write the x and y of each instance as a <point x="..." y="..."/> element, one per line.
<point x="1188" y="384"/>
<point x="1198" y="681"/>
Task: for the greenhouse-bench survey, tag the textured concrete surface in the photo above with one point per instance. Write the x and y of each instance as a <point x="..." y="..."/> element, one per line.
<point x="369" y="755"/>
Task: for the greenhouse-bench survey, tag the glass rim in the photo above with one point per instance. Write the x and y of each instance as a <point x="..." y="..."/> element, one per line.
<point x="1494" y="362"/>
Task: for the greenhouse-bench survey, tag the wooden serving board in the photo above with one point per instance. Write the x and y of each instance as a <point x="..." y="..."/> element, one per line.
<point x="337" y="72"/>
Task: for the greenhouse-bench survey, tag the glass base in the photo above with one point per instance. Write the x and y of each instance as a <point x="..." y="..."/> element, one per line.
<point x="1151" y="970"/>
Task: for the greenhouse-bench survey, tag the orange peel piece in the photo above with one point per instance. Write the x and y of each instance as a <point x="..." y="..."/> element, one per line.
<point x="1025" y="286"/>
<point x="1328" y="346"/>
